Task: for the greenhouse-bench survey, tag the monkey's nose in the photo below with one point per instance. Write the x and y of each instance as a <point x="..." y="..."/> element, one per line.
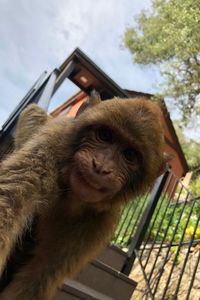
<point x="100" y="167"/>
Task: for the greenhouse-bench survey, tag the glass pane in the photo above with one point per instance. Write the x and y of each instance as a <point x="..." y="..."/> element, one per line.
<point x="64" y="92"/>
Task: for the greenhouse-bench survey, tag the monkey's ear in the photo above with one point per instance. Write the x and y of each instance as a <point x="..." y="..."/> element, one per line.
<point x="92" y="100"/>
<point x="165" y="164"/>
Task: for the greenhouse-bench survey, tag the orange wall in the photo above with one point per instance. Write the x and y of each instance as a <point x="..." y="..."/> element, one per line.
<point x="171" y="147"/>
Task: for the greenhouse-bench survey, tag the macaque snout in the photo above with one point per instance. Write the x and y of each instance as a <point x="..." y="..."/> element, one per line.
<point x="94" y="176"/>
<point x="102" y="164"/>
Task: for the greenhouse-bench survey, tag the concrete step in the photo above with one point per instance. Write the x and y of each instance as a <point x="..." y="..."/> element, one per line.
<point x="106" y="280"/>
<point x="100" y="279"/>
<point x="73" y="290"/>
<point x="113" y="257"/>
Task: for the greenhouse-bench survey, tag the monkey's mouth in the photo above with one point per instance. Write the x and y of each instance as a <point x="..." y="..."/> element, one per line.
<point x="91" y="184"/>
<point x="86" y="187"/>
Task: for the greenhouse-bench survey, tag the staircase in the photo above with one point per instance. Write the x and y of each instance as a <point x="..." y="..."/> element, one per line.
<point x="100" y="280"/>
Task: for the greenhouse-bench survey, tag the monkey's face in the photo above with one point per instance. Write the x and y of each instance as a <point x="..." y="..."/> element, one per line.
<point x="102" y="164"/>
<point x="116" y="151"/>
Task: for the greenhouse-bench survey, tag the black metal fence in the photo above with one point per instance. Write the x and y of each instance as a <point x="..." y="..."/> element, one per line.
<point x="161" y="234"/>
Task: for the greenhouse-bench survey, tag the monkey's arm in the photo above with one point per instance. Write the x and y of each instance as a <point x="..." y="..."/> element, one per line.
<point x="61" y="254"/>
<point x="28" y="182"/>
<point x="18" y="182"/>
<point x="30" y="121"/>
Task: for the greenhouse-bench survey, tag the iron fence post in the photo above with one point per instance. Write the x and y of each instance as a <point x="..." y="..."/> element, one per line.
<point x="144" y="223"/>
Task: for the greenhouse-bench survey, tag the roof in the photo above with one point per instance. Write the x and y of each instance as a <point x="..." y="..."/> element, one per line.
<point x="82" y="71"/>
<point x="88" y="76"/>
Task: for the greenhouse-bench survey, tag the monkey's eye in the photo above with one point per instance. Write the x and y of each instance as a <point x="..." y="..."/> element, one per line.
<point x="130" y="154"/>
<point x="104" y="134"/>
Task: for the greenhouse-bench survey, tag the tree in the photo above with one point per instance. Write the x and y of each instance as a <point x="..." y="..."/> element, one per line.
<point x="169" y="35"/>
<point x="191" y="150"/>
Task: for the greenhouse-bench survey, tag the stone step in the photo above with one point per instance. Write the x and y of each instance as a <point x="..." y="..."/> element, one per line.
<point x="106" y="280"/>
<point x="113" y="257"/>
<point x="73" y="290"/>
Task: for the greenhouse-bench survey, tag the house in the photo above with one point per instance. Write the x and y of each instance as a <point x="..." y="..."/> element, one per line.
<point x="88" y="76"/>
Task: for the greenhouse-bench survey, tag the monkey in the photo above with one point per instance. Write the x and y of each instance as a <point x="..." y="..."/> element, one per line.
<point x="75" y="175"/>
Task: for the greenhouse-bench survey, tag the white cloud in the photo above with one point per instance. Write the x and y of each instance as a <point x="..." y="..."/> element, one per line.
<point x="38" y="35"/>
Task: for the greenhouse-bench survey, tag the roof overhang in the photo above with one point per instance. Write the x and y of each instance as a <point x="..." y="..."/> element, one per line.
<point x="88" y="76"/>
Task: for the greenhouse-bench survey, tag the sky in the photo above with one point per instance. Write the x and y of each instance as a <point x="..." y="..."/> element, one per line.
<point x="39" y="35"/>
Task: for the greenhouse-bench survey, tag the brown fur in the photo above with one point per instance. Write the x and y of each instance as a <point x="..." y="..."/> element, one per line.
<point x="71" y="232"/>
<point x="28" y="125"/>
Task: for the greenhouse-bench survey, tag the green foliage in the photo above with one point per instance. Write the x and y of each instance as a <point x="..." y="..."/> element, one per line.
<point x="195" y="186"/>
<point x="176" y="255"/>
<point x="191" y="150"/>
<point x="192" y="153"/>
<point x="169" y="35"/>
<point x="167" y="216"/>
<point x="130" y="218"/>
